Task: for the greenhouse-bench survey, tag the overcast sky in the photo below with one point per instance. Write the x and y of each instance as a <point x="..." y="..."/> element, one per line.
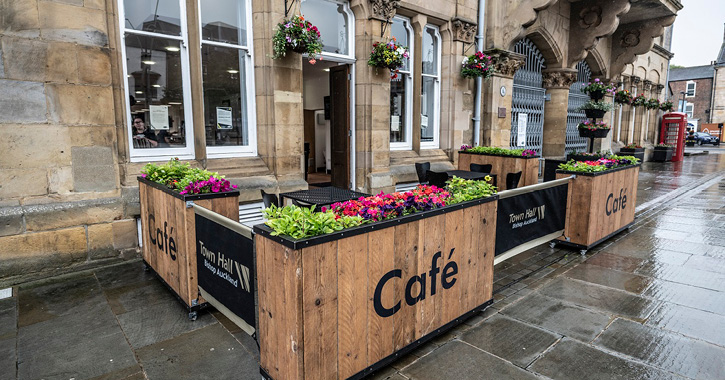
<point x="698" y="32"/>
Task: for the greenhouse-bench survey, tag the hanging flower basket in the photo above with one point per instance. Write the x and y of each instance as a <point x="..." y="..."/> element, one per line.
<point x="389" y="56"/>
<point x="652" y="104"/>
<point x="639" y="101"/>
<point x="299" y="36"/>
<point x="623" y="97"/>
<point x="594" y="109"/>
<point x="666" y="106"/>
<point x="595" y="114"/>
<point x="589" y="129"/>
<point x="477" y="65"/>
<point x="597" y="89"/>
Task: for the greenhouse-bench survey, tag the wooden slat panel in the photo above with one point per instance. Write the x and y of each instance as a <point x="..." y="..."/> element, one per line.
<point x="464" y="162"/>
<point x="352" y="270"/>
<point x="487" y="242"/>
<point x="470" y="245"/>
<point x="380" y="261"/>
<point x="452" y="302"/>
<point x="319" y="305"/>
<point x="407" y="245"/>
<point x="428" y="312"/>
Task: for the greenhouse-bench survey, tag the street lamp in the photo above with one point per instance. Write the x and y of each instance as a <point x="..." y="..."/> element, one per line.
<point x="682" y="103"/>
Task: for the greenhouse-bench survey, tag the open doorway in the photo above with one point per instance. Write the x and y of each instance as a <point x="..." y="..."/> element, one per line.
<point x="326" y="103"/>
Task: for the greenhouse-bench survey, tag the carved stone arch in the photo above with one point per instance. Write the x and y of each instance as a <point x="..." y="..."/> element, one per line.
<point x="360" y="9"/>
<point x="654" y="76"/>
<point x="548" y="46"/>
<point x="641" y="72"/>
<point x="506" y="21"/>
<point x="634" y="39"/>
<point x="597" y="64"/>
<point x="588" y="22"/>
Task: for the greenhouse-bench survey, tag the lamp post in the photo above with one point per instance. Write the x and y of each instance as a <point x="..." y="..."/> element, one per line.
<point x="682" y="103"/>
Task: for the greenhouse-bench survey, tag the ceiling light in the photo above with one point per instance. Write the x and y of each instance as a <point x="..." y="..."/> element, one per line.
<point x="148" y="62"/>
<point x="172" y="48"/>
<point x="139" y="92"/>
<point x="174" y="103"/>
<point x="156" y="85"/>
<point x="326" y="69"/>
<point x="232" y="71"/>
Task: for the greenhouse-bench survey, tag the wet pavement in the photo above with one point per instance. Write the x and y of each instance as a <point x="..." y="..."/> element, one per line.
<point x="648" y="303"/>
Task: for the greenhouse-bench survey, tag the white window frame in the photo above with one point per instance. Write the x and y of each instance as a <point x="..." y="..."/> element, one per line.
<point x="408" y="143"/>
<point x="435" y="144"/>
<point x="342" y="58"/>
<point x="691" y="112"/>
<point x="687" y="89"/>
<point x="248" y="47"/>
<point x="160" y="154"/>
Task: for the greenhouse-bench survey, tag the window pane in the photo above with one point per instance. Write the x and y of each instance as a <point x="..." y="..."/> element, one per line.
<point x="224" y="21"/>
<point x="156" y="91"/>
<point x="161" y="16"/>
<point x="427" y="104"/>
<point x="398" y="120"/>
<point x="400" y="32"/>
<point x="225" y="103"/>
<point x="331" y="20"/>
<point x="430" y="52"/>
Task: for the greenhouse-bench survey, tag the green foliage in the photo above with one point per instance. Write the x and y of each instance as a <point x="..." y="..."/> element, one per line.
<point x="297" y="35"/>
<point x="592" y="105"/>
<point x="175" y="174"/>
<point x="463" y="190"/>
<point x="302" y="222"/>
<point x="496" y="151"/>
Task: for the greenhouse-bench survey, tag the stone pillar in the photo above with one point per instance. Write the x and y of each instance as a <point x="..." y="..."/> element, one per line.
<point x="418" y="23"/>
<point x="654" y="132"/>
<point x="557" y="83"/>
<point x="646" y="122"/>
<point x="629" y="135"/>
<point x="618" y="116"/>
<point x="495" y="129"/>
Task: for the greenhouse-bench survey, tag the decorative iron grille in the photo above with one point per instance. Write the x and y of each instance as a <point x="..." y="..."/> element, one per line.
<point x="528" y="96"/>
<point x="574" y="117"/>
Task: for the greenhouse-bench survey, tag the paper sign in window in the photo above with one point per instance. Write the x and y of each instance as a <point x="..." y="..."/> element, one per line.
<point x="159" y="117"/>
<point x="224" y="118"/>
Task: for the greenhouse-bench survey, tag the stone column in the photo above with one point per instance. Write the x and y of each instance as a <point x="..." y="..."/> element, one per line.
<point x="629" y="135"/>
<point x="557" y="83"/>
<point x="495" y="129"/>
<point x="618" y="116"/>
<point x="418" y="23"/>
<point x="644" y="126"/>
<point x="654" y="130"/>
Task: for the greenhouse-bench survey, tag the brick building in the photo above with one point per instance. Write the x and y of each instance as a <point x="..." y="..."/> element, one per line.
<point x="692" y="92"/>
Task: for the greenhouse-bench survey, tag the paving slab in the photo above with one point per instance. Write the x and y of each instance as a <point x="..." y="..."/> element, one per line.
<point x="124" y="274"/>
<point x="140" y="295"/>
<point x="456" y="360"/>
<point x="557" y="316"/>
<point x="8" y="358"/>
<point x="517" y="342"/>
<point x="616" y="262"/>
<point x="611" y="278"/>
<point x="691" y="322"/>
<point x="570" y="359"/>
<point x="672" y="352"/>
<point x="706" y="263"/>
<point x="76" y="294"/>
<point x="207" y="353"/>
<point x="159" y="322"/>
<point x="684" y="275"/>
<point x="8" y="318"/>
<point x="80" y="346"/>
<point x="608" y="300"/>
<point x="687" y="295"/>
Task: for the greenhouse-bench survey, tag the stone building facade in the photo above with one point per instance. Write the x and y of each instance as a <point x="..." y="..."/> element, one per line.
<point x="77" y="77"/>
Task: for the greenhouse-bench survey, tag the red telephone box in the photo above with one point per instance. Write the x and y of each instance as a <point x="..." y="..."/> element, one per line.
<point x="674" y="127"/>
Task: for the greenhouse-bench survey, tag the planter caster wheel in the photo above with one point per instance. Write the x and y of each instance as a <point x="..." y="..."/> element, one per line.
<point x="192" y="316"/>
<point x="583" y="252"/>
<point x="146" y="267"/>
<point x="552" y="244"/>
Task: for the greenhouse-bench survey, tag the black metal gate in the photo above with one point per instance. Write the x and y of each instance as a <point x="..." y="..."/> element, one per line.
<point x="574" y="117"/>
<point x="528" y="97"/>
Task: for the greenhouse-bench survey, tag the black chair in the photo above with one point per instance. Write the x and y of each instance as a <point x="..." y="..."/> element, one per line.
<point x="422" y="169"/>
<point x="269" y="199"/>
<point x="481" y="168"/>
<point x="437" y="178"/>
<point x="512" y="180"/>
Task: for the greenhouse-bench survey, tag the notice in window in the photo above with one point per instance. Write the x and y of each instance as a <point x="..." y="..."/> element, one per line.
<point x="394" y="123"/>
<point x="523" y="121"/>
<point x="159" y="117"/>
<point x="224" y="118"/>
<point x="424" y="121"/>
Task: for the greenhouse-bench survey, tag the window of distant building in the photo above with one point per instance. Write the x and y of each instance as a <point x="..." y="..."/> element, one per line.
<point x="690" y="90"/>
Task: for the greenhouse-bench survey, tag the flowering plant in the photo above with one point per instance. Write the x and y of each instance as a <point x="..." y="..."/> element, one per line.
<point x="599" y="165"/>
<point x="592" y="105"/>
<point x="598" y="86"/>
<point x="633" y="146"/>
<point x="494" y="151"/>
<point x="639" y="101"/>
<point x="664" y="145"/>
<point x="387" y="206"/>
<point x="477" y="65"/>
<point x="598" y="154"/>
<point x="586" y="124"/>
<point x="389" y="55"/>
<point x="463" y="190"/>
<point x="297" y="35"/>
<point x="652" y="104"/>
<point x="623" y="97"/>
<point x="666" y="106"/>
<point x="302" y="222"/>
<point x="178" y="176"/>
<point x="212" y="185"/>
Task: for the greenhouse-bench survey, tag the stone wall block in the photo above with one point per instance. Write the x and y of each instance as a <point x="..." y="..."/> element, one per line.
<point x="16" y="183"/>
<point x="100" y="241"/>
<point x="61" y="215"/>
<point x="24" y="59"/>
<point x="125" y="234"/>
<point x="60" y="180"/>
<point x="22" y="102"/>
<point x="288" y="79"/>
<point x="64" y="22"/>
<point x="34" y="146"/>
<point x="80" y="105"/>
<point x="95" y="4"/>
<point x="94" y="65"/>
<point x="19" y="18"/>
<point x="131" y="202"/>
<point x="100" y="135"/>
<point x="61" y="63"/>
<point x="11" y="221"/>
<point x="93" y="169"/>
<point x="36" y="252"/>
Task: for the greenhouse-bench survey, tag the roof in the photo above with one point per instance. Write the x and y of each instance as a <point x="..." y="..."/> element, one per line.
<point x="695" y="72"/>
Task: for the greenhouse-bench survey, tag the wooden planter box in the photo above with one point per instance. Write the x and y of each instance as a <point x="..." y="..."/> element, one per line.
<point x="168" y="232"/>
<point x="599" y="205"/>
<point x="581" y="157"/>
<point x="662" y="154"/>
<point x="636" y="152"/>
<point x="502" y="165"/>
<point x="335" y="307"/>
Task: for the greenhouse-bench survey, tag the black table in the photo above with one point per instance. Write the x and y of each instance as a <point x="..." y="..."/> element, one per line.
<point x="465" y="174"/>
<point x="322" y="195"/>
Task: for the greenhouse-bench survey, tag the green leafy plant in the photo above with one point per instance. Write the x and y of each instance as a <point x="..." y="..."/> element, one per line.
<point x="477" y="65"/>
<point x="175" y="174"/>
<point x="592" y="105"/>
<point x="667" y="106"/>
<point x="297" y="35"/>
<point x="623" y="97"/>
<point x="390" y="56"/>
<point x="639" y="101"/>
<point x="652" y="104"/>
<point x="302" y="222"/>
<point x="598" y="86"/>
<point x="600" y="165"/>
<point x="633" y="146"/>
<point x="463" y="190"/>
<point x="663" y="145"/>
<point x="586" y="124"/>
<point x="494" y="151"/>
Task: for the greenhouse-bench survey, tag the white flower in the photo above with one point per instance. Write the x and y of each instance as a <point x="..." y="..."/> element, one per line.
<point x="464" y="61"/>
<point x="400" y="51"/>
